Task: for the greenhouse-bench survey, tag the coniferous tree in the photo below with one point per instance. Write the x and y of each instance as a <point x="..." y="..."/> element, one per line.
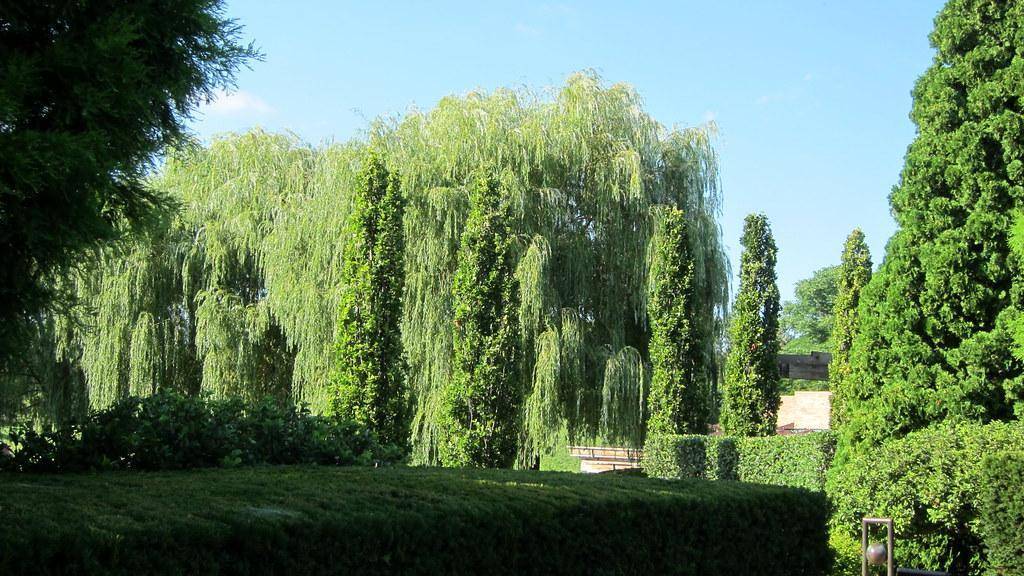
<point x="935" y="339"/>
<point x="91" y="92"/>
<point x="678" y="398"/>
<point x="370" y="363"/>
<point x="481" y="405"/>
<point x="854" y="274"/>
<point x="750" y="401"/>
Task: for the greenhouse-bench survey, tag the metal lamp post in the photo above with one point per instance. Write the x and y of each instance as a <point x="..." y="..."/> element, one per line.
<point x="876" y="553"/>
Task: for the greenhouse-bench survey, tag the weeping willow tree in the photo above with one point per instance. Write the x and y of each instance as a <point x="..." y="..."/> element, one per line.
<point x="587" y="168"/>
<point x="239" y="292"/>
<point x="234" y="295"/>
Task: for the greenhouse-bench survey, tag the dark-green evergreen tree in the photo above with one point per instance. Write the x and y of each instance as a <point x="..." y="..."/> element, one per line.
<point x="90" y="93"/>
<point x="678" y="398"/>
<point x="479" y="424"/>
<point x="370" y="363"/>
<point x="854" y="274"/>
<point x="750" y="402"/>
<point x="934" y="341"/>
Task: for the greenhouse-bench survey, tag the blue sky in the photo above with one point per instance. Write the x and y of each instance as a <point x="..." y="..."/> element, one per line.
<point x="811" y="97"/>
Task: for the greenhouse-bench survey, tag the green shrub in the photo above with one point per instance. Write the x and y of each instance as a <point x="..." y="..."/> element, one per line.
<point x="1002" y="511"/>
<point x="929" y="483"/>
<point x="798" y="460"/>
<point x="170" y="431"/>
<point x="690" y="456"/>
<point x="397" y="520"/>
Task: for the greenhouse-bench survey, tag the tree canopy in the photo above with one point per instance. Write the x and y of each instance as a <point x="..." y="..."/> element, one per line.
<point x="239" y="291"/>
<point x="480" y="416"/>
<point x="91" y="93"/>
<point x="370" y="366"/>
<point x="934" y="341"/>
<point x="806" y="321"/>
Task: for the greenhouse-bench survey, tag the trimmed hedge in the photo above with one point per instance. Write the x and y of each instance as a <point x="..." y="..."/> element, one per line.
<point x="800" y="461"/>
<point x="1002" y="511"/>
<point x="931" y="484"/>
<point x="396" y="520"/>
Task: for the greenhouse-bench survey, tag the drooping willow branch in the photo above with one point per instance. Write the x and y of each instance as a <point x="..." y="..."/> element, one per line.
<point x="239" y="292"/>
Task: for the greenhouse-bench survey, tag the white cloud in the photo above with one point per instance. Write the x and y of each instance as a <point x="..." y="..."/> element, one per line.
<point x="240" y="102"/>
<point x="526" y="30"/>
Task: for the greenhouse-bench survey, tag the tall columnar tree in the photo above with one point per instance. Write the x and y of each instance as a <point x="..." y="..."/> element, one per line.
<point x="90" y="93"/>
<point x="934" y="341"/>
<point x="854" y="274"/>
<point x="370" y="366"/>
<point x="750" y="402"/>
<point x="679" y="394"/>
<point x="481" y="412"/>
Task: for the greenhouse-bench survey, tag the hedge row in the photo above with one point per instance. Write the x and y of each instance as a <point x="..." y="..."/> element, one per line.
<point x="169" y="431"/>
<point x="396" y="520"/>
<point x="931" y="483"/>
<point x="1002" y="511"/>
<point x="800" y="461"/>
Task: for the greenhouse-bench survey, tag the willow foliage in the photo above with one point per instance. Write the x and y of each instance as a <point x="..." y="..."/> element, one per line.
<point x="241" y="289"/>
<point x="586" y="167"/>
<point x="751" y="400"/>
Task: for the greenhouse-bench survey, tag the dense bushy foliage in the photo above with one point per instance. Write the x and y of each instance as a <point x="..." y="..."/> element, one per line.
<point x="1002" y="511"/>
<point x="396" y="520"/>
<point x="169" y="431"/>
<point x="934" y="339"/>
<point x="750" y="402"/>
<point x="930" y="483"/>
<point x="676" y="456"/>
<point x="800" y="460"/>
<point x="854" y="275"/>
<point x="480" y="416"/>
<point x="370" y="366"/>
<point x="90" y="92"/>
<point x="679" y="397"/>
<point x="806" y="321"/>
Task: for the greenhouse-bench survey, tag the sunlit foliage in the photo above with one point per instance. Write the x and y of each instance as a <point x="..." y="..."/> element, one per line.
<point x="679" y="398"/>
<point x="935" y="339"/>
<point x="370" y="369"/>
<point x="479" y="421"/>
<point x="242" y="287"/>
<point x="750" y="402"/>
<point x="854" y="275"/>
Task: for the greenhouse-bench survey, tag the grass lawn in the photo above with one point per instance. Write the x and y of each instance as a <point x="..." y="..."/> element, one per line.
<point x="324" y="520"/>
